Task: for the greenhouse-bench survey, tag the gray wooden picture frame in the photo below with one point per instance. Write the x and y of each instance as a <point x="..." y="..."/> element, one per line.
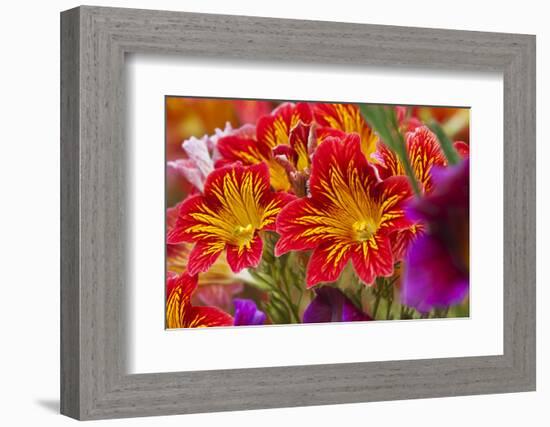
<point x="94" y="42"/>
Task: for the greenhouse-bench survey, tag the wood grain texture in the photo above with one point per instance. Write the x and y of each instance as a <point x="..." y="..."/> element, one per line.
<point x="70" y="291"/>
<point x="94" y="269"/>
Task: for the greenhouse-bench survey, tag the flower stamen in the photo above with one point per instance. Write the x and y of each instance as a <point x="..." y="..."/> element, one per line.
<point x="243" y="235"/>
<point x="364" y="229"/>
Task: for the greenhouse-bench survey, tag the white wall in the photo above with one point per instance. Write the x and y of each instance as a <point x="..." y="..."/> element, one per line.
<point x="29" y="225"/>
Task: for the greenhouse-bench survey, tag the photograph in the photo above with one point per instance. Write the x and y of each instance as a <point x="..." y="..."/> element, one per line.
<point x="291" y="212"/>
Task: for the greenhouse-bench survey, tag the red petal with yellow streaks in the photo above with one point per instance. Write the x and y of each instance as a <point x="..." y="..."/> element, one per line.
<point x="180" y="231"/>
<point x="347" y="118"/>
<point x="373" y="258"/>
<point x="180" y="313"/>
<point x="392" y="193"/>
<point x="327" y="262"/>
<point x="299" y="139"/>
<point x="424" y="153"/>
<point x="339" y="163"/>
<point x="184" y="283"/>
<point x="323" y="132"/>
<point x="297" y="223"/>
<point x="176" y="254"/>
<point x="178" y="295"/>
<point x="275" y="202"/>
<point x="235" y="148"/>
<point x="387" y="162"/>
<point x="245" y="257"/>
<point x="274" y="129"/>
<point x="200" y="317"/>
<point x="203" y="255"/>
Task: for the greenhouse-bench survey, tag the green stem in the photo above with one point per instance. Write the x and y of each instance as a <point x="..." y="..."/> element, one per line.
<point x="378" y="295"/>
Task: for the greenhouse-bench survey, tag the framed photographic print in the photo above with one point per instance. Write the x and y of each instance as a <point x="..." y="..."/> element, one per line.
<point x="292" y="213"/>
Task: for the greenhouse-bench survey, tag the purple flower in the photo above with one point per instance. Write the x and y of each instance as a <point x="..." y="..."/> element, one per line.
<point x="247" y="313"/>
<point x="437" y="266"/>
<point x="331" y="305"/>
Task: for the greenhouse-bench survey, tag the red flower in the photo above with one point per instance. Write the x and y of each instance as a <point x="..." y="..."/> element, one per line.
<point x="272" y="130"/>
<point x="345" y="118"/>
<point x="217" y="286"/>
<point x="237" y="203"/>
<point x="350" y="214"/>
<point x="180" y="313"/>
<point x="424" y="153"/>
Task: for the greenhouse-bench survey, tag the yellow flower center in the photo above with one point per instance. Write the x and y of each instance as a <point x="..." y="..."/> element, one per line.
<point x="364" y="229"/>
<point x="243" y="235"/>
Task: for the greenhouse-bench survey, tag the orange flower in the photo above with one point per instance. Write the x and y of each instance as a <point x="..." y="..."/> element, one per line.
<point x="350" y="214"/>
<point x="237" y="203"/>
<point x="180" y="313"/>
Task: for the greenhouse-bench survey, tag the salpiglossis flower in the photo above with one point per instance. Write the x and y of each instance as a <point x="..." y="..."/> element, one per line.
<point x="350" y="214"/>
<point x="272" y="131"/>
<point x="424" y="153"/>
<point x="345" y="118"/>
<point x="218" y="285"/>
<point x="237" y="203"/>
<point x="180" y="313"/>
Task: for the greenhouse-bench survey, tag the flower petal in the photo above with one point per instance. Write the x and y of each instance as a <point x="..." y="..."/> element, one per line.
<point x="236" y="148"/>
<point x="320" y="309"/>
<point x="424" y="152"/>
<point x="273" y="203"/>
<point x="402" y="240"/>
<point x="274" y="129"/>
<point x="373" y="258"/>
<point x="203" y="255"/>
<point x="393" y="193"/>
<point x="327" y="262"/>
<point x="302" y="226"/>
<point x="188" y="169"/>
<point x="245" y="256"/>
<point x="387" y="162"/>
<point x="347" y="118"/>
<point x="331" y="305"/>
<point x="178" y="295"/>
<point x="299" y="141"/>
<point x="247" y="313"/>
<point x="184" y="283"/>
<point x="180" y="313"/>
<point x="217" y="295"/>
<point x="462" y="148"/>
<point x="339" y="165"/>
<point x="177" y="256"/>
<point x="199" y="317"/>
<point x="350" y="313"/>
<point x="432" y="278"/>
<point x="197" y="151"/>
<point x="237" y="184"/>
